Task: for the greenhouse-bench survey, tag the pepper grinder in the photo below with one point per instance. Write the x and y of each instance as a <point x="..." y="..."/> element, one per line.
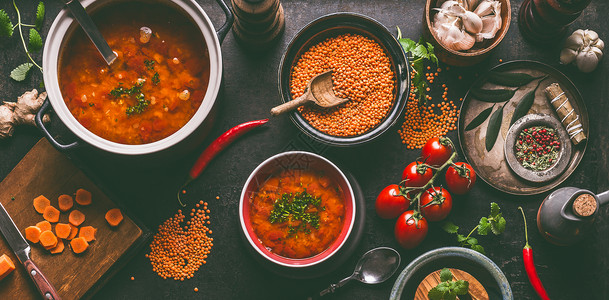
<point x="258" y="23"/>
<point x="568" y="213"/>
<point x="544" y="21"/>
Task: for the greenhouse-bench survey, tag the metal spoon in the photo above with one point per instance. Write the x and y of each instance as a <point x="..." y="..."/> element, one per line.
<point x="375" y="266"/>
<point x="79" y="13"/>
<point x="319" y="91"/>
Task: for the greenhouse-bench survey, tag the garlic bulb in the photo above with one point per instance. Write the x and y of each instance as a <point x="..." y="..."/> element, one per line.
<point x="584" y="49"/>
<point x="459" y="24"/>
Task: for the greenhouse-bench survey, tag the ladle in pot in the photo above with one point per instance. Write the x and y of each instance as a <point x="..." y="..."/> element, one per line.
<point x="318" y="91"/>
<point x="375" y="266"/>
<point x="568" y="213"/>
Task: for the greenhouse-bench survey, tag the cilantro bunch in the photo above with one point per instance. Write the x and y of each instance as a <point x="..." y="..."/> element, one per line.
<point x="34" y="43"/>
<point x="448" y="289"/>
<point x="494" y="223"/>
<point x="417" y="54"/>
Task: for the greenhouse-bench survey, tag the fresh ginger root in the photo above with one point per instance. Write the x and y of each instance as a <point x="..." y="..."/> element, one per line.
<point x="21" y="112"/>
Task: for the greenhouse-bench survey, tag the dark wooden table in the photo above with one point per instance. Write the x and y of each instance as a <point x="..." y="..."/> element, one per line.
<point x="250" y="90"/>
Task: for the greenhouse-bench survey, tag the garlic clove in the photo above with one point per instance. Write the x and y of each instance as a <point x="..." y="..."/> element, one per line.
<point x="599" y="44"/>
<point x="448" y="4"/>
<point x="567" y="56"/>
<point x="465" y="43"/>
<point x="586" y="61"/>
<point x="490" y="26"/>
<point x="575" y="41"/>
<point x="471" y="4"/>
<point x="597" y="52"/>
<point x="472" y="22"/>
<point x="590" y="35"/>
<point x="485" y="8"/>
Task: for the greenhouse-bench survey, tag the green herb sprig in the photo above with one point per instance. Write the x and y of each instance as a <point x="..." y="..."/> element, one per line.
<point x="418" y="53"/>
<point x="136" y="91"/>
<point x="448" y="289"/>
<point x="296" y="207"/>
<point x="494" y="223"/>
<point x="34" y="42"/>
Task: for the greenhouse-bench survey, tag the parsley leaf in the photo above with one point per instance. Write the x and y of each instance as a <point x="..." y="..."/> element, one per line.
<point x="478" y="248"/>
<point x="450" y="227"/>
<point x="20" y="73"/>
<point x="35" y="42"/>
<point x="39" y="15"/>
<point x="435" y="293"/>
<point x="417" y="53"/>
<point x="447" y="288"/>
<point x="494" y="209"/>
<point x="446" y="275"/>
<point x="483" y="226"/>
<point x="461" y="287"/>
<point x="495" y="223"/>
<point x="6" y="26"/>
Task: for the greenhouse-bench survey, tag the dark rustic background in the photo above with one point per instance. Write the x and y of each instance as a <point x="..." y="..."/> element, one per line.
<point x="250" y="90"/>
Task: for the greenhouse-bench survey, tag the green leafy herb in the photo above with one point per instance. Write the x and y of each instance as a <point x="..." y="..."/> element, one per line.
<point x="6" y="26"/>
<point x="136" y="91"/>
<point x="149" y="64"/>
<point x="493" y="96"/>
<point x="20" y="72"/>
<point x="494" y="223"/>
<point x="510" y="79"/>
<point x="301" y="206"/>
<point x="418" y="52"/>
<point x="155" y="78"/>
<point x="39" y="15"/>
<point x="35" y="42"/>
<point x="448" y="289"/>
<point x="479" y="119"/>
<point x="492" y="130"/>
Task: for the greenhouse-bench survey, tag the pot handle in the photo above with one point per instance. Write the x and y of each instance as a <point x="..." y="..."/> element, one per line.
<point x="45" y="131"/>
<point x="230" y="18"/>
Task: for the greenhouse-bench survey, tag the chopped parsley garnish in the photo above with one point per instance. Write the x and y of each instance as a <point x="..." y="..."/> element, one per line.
<point x="149" y="64"/>
<point x="136" y="90"/>
<point x="302" y="207"/>
<point x="155" y="78"/>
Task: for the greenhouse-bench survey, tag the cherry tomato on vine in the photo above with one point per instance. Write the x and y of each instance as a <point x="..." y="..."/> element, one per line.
<point x="410" y="229"/>
<point x="460" y="180"/>
<point x="440" y="208"/>
<point x="390" y="203"/>
<point x="436" y="151"/>
<point x="416" y="175"/>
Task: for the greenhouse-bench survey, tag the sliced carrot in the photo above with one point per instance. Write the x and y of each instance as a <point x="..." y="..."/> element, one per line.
<point x="40" y="203"/>
<point x="59" y="248"/>
<point x="114" y="217"/>
<point x="44" y="226"/>
<point x="65" y="202"/>
<point x="48" y="239"/>
<point x="63" y="230"/>
<point x="32" y="234"/>
<point x="6" y="266"/>
<point x="88" y="232"/>
<point x="73" y="232"/>
<point x="51" y="214"/>
<point x="83" y="197"/>
<point x="76" y="217"/>
<point x="79" y="245"/>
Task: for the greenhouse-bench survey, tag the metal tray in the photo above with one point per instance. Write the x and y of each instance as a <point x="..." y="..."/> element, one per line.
<point x="492" y="166"/>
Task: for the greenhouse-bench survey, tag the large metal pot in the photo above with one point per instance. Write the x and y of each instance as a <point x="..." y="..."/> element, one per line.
<point x="58" y="36"/>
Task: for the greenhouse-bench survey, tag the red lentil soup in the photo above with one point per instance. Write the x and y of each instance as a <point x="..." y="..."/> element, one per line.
<point x="154" y="87"/>
<point x="298" y="234"/>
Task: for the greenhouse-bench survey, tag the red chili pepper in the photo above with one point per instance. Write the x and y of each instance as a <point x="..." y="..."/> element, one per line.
<point x="216" y="147"/>
<point x="529" y="264"/>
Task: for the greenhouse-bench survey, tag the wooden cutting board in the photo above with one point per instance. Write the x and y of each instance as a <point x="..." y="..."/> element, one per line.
<point x="476" y="290"/>
<point x="45" y="171"/>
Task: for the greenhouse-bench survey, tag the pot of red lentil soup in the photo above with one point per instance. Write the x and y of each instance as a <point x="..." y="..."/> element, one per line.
<point x="159" y="92"/>
<point x="369" y="67"/>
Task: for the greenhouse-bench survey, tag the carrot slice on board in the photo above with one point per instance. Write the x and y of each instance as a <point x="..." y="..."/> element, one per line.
<point x="48" y="239"/>
<point x="83" y="197"/>
<point x="6" y="266"/>
<point x="51" y="214"/>
<point x="40" y="203"/>
<point x="65" y="202"/>
<point x="79" y="245"/>
<point x="32" y="234"/>
<point x="114" y="217"/>
<point x="59" y="248"/>
<point x="63" y="230"/>
<point x="88" y="232"/>
<point x="76" y="217"/>
<point x="44" y="226"/>
<point x="73" y="232"/>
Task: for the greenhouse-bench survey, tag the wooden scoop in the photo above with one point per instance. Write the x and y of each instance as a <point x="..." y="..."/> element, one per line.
<point x="318" y="91"/>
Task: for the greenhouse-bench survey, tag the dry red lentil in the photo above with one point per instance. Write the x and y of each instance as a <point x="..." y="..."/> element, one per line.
<point x="362" y="73"/>
<point x="177" y="252"/>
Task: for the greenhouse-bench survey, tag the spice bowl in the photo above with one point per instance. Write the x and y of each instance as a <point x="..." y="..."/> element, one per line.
<point x="349" y="232"/>
<point x="469" y="57"/>
<point x="564" y="153"/>
<point x="333" y="25"/>
<point x="479" y="266"/>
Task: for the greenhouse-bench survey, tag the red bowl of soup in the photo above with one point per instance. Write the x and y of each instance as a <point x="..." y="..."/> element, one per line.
<point x="161" y="89"/>
<point x="297" y="209"/>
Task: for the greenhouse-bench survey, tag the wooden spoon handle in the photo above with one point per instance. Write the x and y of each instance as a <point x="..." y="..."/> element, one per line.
<point x="290" y="105"/>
